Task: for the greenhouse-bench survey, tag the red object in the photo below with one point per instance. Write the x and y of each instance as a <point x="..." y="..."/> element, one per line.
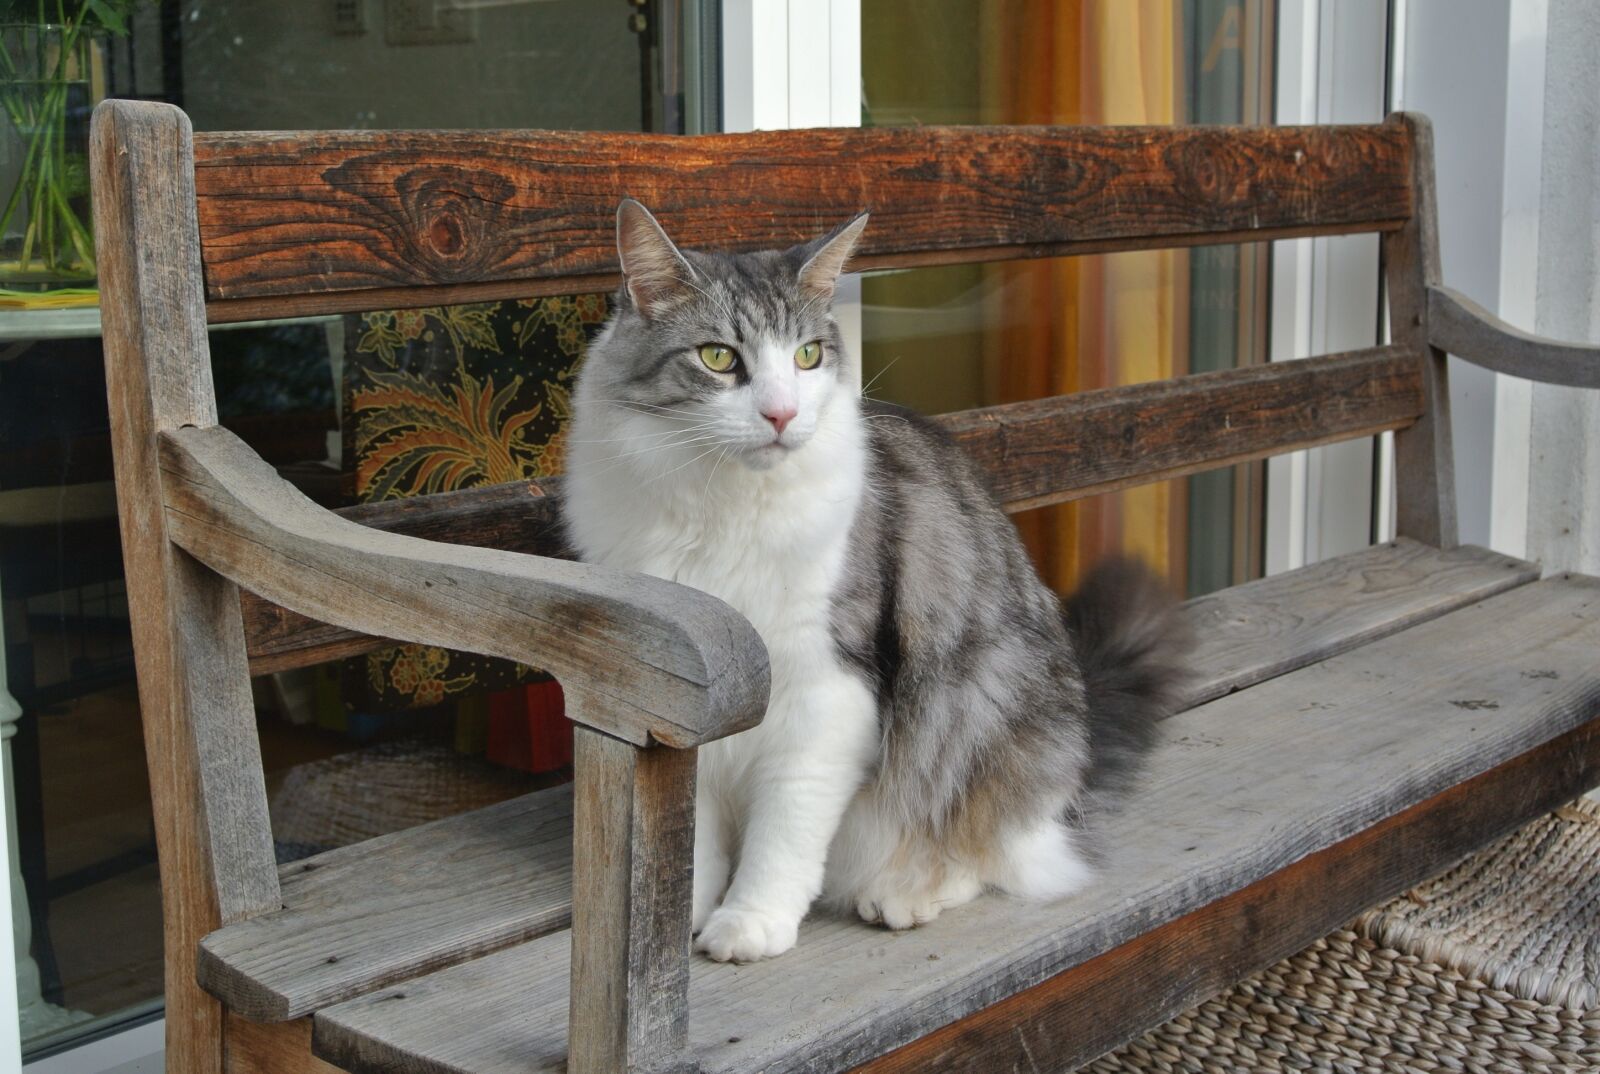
<point x="528" y="728"/>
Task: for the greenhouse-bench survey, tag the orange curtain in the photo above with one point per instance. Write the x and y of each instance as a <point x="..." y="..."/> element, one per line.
<point x="1073" y="324"/>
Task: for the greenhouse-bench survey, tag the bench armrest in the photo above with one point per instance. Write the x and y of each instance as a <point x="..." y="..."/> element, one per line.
<point x="1461" y="327"/>
<point x="639" y="658"/>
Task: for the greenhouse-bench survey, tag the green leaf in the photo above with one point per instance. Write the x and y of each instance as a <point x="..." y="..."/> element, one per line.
<point x="111" y="14"/>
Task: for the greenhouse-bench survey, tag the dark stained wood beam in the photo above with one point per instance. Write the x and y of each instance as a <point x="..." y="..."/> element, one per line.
<point x="348" y="220"/>
<point x="1073" y="446"/>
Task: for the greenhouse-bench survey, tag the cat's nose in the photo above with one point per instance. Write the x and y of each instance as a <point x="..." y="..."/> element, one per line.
<point x="780" y="417"/>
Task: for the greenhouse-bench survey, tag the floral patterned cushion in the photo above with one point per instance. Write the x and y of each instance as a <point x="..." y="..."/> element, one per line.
<point x="449" y="398"/>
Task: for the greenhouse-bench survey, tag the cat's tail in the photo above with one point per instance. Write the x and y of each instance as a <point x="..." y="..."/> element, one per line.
<point x="1133" y="643"/>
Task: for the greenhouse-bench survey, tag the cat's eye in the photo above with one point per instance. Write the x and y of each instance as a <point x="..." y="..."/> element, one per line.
<point x="717" y="358"/>
<point x="808" y="356"/>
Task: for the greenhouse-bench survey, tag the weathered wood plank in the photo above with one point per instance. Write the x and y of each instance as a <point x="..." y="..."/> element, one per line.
<point x="632" y="893"/>
<point x="1425" y="481"/>
<point x="519" y="516"/>
<point x="275" y="1048"/>
<point x="1091" y="1009"/>
<point x="321" y="212"/>
<point x="495" y="877"/>
<point x="206" y="785"/>
<point x="1461" y="327"/>
<point x="1035" y="453"/>
<point x="1243" y="787"/>
<point x="1253" y="632"/>
<point x="639" y="657"/>
<point x="1068" y="447"/>
<point x="367" y="915"/>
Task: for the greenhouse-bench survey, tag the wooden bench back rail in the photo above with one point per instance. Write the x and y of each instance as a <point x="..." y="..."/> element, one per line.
<point x="344" y="221"/>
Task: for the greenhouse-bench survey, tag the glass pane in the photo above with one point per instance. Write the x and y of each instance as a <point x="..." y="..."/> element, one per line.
<point x="973" y="335"/>
<point x="360" y="746"/>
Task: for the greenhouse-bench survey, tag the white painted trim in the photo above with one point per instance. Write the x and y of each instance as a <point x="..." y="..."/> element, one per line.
<point x="790" y="63"/>
<point x="1295" y="101"/>
<point x="1519" y="267"/>
<point x="1384" y="497"/>
<point x="140" y="1050"/>
<point x="796" y="63"/>
<point x="1319" y="502"/>
<point x="10" y="1030"/>
<point x="755" y="65"/>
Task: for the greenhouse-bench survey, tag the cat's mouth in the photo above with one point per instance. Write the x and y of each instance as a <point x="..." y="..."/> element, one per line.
<point x="767" y="455"/>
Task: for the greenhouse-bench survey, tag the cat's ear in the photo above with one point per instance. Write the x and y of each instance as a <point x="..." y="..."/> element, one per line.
<point x="825" y="258"/>
<point x="655" y="274"/>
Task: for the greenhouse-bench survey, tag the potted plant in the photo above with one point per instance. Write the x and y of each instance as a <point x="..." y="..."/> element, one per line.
<point x="50" y="73"/>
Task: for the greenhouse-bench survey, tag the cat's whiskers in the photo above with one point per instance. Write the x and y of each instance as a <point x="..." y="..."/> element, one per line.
<point x="650" y="410"/>
<point x="867" y="387"/>
<point x="617" y="460"/>
<point x="694" y="460"/>
<point x="705" y="493"/>
<point x="647" y="436"/>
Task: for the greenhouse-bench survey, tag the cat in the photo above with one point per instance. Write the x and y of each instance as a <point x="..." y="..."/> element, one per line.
<point x="938" y="716"/>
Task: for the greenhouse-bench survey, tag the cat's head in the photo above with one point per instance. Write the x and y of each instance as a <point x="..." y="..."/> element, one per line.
<point x="736" y="354"/>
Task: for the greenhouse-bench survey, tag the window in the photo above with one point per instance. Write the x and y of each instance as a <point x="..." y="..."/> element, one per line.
<point x="964" y="336"/>
<point x="362" y="745"/>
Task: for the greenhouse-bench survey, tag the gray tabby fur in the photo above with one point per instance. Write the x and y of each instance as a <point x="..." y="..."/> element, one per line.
<point x="997" y="706"/>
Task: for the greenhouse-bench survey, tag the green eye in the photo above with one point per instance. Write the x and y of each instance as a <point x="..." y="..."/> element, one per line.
<point x="717" y="358"/>
<point x="808" y="356"/>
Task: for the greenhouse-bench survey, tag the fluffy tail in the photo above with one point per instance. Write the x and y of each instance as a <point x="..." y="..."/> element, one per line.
<point x="1133" y="643"/>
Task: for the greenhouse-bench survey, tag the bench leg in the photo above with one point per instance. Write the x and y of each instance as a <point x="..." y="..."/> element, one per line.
<point x="632" y="889"/>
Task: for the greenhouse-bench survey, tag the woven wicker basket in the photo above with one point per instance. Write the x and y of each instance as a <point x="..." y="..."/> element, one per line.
<point x="1492" y="967"/>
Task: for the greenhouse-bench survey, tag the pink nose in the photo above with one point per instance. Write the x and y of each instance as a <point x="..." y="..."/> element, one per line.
<point x="780" y="417"/>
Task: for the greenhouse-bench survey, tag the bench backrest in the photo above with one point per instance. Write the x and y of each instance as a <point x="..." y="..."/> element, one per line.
<point x="298" y="223"/>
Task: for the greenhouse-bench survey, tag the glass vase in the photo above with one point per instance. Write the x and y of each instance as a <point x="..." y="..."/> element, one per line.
<point x="49" y="75"/>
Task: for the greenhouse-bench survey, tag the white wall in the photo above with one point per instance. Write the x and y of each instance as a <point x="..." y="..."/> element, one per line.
<point x="1563" y="529"/>
<point x="1453" y="67"/>
<point x="1514" y="94"/>
<point x="1331" y="60"/>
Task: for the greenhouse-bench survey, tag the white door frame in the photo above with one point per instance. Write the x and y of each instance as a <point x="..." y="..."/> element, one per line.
<point x="789" y="64"/>
<point x="1331" y="65"/>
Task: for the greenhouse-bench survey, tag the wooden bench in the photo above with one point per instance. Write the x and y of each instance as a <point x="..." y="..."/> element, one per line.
<point x="1359" y="724"/>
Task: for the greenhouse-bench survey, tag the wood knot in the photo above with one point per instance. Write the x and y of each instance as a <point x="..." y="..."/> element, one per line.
<point x="449" y="221"/>
<point x="1214" y="168"/>
<point x="445" y="234"/>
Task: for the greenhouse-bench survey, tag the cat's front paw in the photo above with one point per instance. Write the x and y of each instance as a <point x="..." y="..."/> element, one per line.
<point x="735" y="935"/>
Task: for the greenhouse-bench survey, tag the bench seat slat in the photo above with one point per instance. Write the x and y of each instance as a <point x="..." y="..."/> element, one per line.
<point x="1034" y="453"/>
<point x="344" y="220"/>
<point x="1242" y="788"/>
<point x="1252" y="632"/>
<point x="365" y="915"/>
<point x="498" y="876"/>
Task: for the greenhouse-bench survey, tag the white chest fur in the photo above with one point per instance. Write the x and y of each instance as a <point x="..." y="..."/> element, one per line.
<point x="771" y="543"/>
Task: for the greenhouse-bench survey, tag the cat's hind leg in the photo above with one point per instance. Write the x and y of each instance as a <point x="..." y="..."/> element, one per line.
<point x="888" y="875"/>
<point x="1038" y="861"/>
<point x="903" y="899"/>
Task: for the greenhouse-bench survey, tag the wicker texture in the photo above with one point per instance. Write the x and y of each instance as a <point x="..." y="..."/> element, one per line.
<point x="384" y="788"/>
<point x="1492" y="967"/>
